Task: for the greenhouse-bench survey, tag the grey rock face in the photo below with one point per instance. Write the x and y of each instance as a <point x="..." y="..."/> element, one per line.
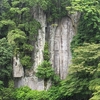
<point x="29" y="78"/>
<point x="39" y="45"/>
<point x="33" y="82"/>
<point x="60" y="46"/>
<point x="17" y="67"/>
<point x="60" y="35"/>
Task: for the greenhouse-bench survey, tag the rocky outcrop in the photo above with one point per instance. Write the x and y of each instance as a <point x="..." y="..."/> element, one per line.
<point x="17" y="67"/>
<point x="59" y="35"/>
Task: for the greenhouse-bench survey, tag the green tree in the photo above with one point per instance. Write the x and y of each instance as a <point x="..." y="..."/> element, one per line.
<point x="89" y="23"/>
<point x="45" y="70"/>
<point x="8" y="93"/>
<point x="25" y="93"/>
<point x="6" y="53"/>
<point x="56" y="9"/>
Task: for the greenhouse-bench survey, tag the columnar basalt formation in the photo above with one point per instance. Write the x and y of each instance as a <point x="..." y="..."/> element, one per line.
<point x="59" y="36"/>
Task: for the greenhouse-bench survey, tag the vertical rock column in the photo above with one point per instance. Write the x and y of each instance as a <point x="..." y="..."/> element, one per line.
<point x="60" y="39"/>
<point x="17" y="67"/>
<point x="39" y="45"/>
<point x="27" y="77"/>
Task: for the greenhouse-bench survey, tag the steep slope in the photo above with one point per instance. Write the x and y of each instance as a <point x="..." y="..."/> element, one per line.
<point x="59" y="35"/>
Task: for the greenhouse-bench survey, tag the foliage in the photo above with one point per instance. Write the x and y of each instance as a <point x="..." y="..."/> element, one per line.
<point x="5" y="26"/>
<point x="25" y="93"/>
<point x="89" y="24"/>
<point x="46" y="54"/>
<point x="56" y="9"/>
<point x="8" y="93"/>
<point x="1" y="84"/>
<point x="45" y="70"/>
<point x="95" y="84"/>
<point x="16" y="36"/>
<point x="54" y="93"/>
<point x="25" y="61"/>
<point x="95" y="87"/>
<point x="6" y="53"/>
<point x="83" y="73"/>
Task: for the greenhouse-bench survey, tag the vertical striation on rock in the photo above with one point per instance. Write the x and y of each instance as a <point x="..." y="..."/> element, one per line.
<point x="61" y="35"/>
<point x="60" y="44"/>
<point x="17" y="67"/>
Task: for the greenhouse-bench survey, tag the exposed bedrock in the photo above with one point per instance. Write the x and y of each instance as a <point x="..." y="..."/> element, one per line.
<point x="59" y="35"/>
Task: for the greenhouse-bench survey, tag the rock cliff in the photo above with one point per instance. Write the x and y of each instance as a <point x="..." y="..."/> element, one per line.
<point x="59" y="36"/>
